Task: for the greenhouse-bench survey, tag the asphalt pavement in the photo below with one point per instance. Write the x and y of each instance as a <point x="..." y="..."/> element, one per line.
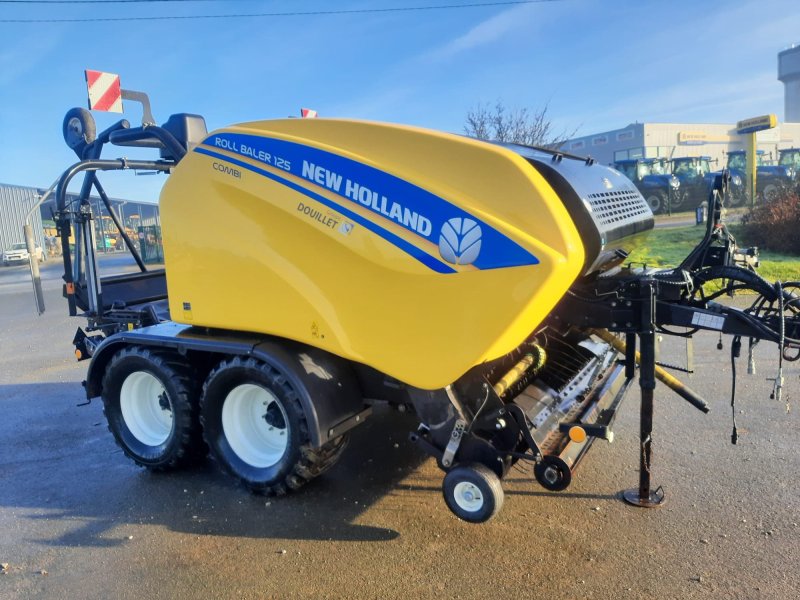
<point x="78" y="520"/>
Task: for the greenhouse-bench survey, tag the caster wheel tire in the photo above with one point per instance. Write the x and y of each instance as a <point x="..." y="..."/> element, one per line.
<point x="150" y="403"/>
<point x="473" y="493"/>
<point x="256" y="429"/>
<point x="79" y="129"/>
<point x="553" y="474"/>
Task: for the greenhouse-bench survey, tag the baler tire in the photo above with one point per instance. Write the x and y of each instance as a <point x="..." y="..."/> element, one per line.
<point x="473" y="493"/>
<point x="261" y="470"/>
<point x="142" y="436"/>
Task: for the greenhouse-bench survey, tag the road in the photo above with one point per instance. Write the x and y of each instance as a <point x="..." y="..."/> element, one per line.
<point x="78" y="520"/>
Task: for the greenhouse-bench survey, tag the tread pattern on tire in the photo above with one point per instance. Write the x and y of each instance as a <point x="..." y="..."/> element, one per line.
<point x="311" y="462"/>
<point x="192" y="447"/>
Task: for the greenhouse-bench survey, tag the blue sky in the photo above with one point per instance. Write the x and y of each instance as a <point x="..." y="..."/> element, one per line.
<point x="600" y="64"/>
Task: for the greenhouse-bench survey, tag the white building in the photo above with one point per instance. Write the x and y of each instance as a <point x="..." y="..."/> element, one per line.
<point x="671" y="140"/>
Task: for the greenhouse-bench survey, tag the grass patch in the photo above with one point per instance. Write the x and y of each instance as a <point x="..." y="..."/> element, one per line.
<point x="668" y="246"/>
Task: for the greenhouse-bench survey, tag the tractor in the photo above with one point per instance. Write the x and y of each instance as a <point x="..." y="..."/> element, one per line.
<point x="660" y="189"/>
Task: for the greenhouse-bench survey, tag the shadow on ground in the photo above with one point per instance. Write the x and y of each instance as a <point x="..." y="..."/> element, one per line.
<point x="59" y="465"/>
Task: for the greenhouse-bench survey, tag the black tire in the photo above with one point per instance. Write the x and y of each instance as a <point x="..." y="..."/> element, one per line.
<point x="656" y="202"/>
<point x="250" y="451"/>
<point x="473" y="493"/>
<point x="79" y="129"/>
<point x="770" y="192"/>
<point x="128" y="381"/>
<point x="677" y="199"/>
<point x="553" y="474"/>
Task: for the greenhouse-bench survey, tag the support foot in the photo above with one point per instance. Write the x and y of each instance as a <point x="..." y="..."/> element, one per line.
<point x="654" y="499"/>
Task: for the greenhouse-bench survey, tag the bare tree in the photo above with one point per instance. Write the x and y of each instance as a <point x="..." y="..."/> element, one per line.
<point x="518" y="126"/>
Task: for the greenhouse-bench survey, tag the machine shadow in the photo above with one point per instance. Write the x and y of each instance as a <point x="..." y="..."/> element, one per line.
<point x="535" y="494"/>
<point x="60" y="464"/>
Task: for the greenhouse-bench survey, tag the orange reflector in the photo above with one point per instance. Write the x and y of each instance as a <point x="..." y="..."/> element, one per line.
<point x="70" y="288"/>
<point x="78" y="354"/>
<point x="577" y="434"/>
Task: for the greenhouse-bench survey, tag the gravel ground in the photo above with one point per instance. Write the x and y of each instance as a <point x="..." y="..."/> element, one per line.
<point x="78" y="520"/>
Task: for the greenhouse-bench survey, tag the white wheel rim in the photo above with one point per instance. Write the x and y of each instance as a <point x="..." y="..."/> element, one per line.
<point x="251" y="417"/>
<point x="468" y="496"/>
<point x="145" y="408"/>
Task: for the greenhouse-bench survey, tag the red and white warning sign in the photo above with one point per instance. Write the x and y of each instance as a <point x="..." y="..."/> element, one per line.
<point x="307" y="113"/>
<point x="104" y="91"/>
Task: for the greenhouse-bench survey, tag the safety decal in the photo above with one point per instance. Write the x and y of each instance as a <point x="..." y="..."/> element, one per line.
<point x="104" y="91"/>
<point x="462" y="239"/>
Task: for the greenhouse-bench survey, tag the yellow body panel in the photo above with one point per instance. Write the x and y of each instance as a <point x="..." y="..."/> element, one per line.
<point x="259" y="237"/>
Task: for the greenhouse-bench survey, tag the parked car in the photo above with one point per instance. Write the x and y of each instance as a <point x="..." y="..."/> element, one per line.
<point x="17" y="253"/>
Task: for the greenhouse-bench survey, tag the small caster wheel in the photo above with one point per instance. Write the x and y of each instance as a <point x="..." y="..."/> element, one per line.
<point x="473" y="493"/>
<point x="553" y="474"/>
<point x="79" y="129"/>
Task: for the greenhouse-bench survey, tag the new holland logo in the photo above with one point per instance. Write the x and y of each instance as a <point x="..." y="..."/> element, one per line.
<point x="460" y="241"/>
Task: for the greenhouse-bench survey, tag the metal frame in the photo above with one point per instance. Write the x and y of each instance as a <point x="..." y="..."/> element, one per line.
<point x="642" y="303"/>
<point x="82" y="217"/>
<point x="80" y="211"/>
<point x="634" y="303"/>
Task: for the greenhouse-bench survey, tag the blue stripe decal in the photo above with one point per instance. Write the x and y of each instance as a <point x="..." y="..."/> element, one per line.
<point x="408" y="248"/>
<point x="461" y="237"/>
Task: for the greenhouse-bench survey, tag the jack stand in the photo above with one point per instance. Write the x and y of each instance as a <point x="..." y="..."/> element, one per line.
<point x="645" y="496"/>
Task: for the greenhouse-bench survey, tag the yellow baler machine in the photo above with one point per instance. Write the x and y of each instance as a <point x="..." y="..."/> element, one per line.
<point x="417" y="253"/>
<point x="316" y="267"/>
<point x="353" y="262"/>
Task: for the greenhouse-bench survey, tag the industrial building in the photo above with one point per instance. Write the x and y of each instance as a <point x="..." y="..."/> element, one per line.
<point x="672" y="140"/>
<point x="16" y="203"/>
<point x="140" y="220"/>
